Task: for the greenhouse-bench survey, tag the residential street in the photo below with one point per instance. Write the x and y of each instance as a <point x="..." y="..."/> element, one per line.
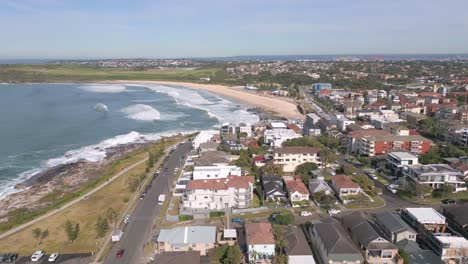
<point x="138" y="232"/>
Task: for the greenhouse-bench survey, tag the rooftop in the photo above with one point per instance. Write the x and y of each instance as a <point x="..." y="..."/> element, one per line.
<point x="426" y="215"/>
<point x="395" y="138"/>
<point x="453" y="241"/>
<point x="259" y="233"/>
<point x="276" y="125"/>
<point x="402" y="155"/>
<point x="231" y="181"/>
<point x="296" y="185"/>
<point x="433" y="168"/>
<point x="393" y="222"/>
<point x="368" y="132"/>
<point x="344" y="181"/>
<point x="297" y="243"/>
<point x="188" y="235"/>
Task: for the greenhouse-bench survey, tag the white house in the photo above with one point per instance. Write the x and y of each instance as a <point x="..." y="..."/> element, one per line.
<point x="260" y="241"/>
<point x="215" y="172"/>
<point x="434" y="175"/>
<point x="291" y="157"/>
<point x="244" y="128"/>
<point x="276" y="137"/>
<point x="218" y="194"/>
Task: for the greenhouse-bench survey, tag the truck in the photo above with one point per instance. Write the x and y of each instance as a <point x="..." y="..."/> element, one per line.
<point x="117" y="235"/>
<point x="161" y="199"/>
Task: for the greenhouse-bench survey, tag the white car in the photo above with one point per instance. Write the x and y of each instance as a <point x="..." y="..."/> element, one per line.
<point x="373" y="176"/>
<point x="53" y="257"/>
<point x="392" y="188"/>
<point x="37" y="255"/>
<point x="334" y="211"/>
<point x="306" y="213"/>
<point x="127" y="219"/>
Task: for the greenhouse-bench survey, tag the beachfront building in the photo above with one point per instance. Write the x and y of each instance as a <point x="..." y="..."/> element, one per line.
<point x="186" y="238"/>
<point x="291" y="157"/>
<point x="435" y="175"/>
<point x="215" y="172"/>
<point x="260" y="241"/>
<point x="218" y="194"/>
<point x="276" y="137"/>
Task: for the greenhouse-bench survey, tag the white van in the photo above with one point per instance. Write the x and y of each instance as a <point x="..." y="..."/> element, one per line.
<point x="161" y="199"/>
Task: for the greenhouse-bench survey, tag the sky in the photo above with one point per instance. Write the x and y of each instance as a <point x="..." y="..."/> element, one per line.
<point x="207" y="28"/>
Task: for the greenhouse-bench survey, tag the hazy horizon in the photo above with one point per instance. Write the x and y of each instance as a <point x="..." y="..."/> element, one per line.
<point x="64" y="29"/>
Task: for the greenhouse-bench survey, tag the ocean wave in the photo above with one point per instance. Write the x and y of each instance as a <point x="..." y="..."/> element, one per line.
<point x="103" y="88"/>
<point x="141" y="112"/>
<point x="91" y="153"/>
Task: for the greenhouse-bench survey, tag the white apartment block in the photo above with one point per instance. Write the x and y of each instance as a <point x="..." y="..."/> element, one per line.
<point x="218" y="194"/>
<point x="276" y="137"/>
<point x="215" y="172"/>
<point x="291" y="157"/>
<point x="435" y="175"/>
<point x="244" y="128"/>
<point x="397" y="161"/>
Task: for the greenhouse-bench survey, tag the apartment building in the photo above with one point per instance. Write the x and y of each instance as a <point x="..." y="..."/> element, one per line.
<point x="291" y="157"/>
<point x="276" y="137"/>
<point x="435" y="175"/>
<point x="451" y="249"/>
<point x="218" y="194"/>
<point x="311" y="123"/>
<point x="379" y="144"/>
<point x="215" y="172"/>
<point x="397" y="160"/>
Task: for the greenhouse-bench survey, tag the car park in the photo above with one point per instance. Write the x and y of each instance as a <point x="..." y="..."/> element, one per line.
<point x="120" y="253"/>
<point x="37" y="255"/>
<point x="53" y="257"/>
<point x="306" y="213"/>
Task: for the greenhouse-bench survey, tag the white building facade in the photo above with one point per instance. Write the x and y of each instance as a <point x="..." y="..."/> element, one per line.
<point x="215" y="172"/>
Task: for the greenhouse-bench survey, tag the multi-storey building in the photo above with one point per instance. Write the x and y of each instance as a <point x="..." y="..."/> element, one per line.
<point x="434" y="175"/>
<point x="376" y="145"/>
<point x="218" y="194"/>
<point x="215" y="172"/>
<point x="291" y="157"/>
<point x="276" y="137"/>
<point x="397" y="160"/>
<point x="310" y="123"/>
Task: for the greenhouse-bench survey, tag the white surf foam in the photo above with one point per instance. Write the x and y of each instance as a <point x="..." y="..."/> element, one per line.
<point x="141" y="112"/>
<point x="103" y="88"/>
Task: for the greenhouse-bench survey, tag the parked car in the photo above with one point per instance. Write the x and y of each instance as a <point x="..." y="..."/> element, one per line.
<point x="127" y="219"/>
<point x="372" y="176"/>
<point x="306" y="213"/>
<point x="120" y="253"/>
<point x="334" y="211"/>
<point x="53" y="257"/>
<point x="449" y="201"/>
<point x="237" y="220"/>
<point x="12" y="257"/>
<point x="37" y="255"/>
<point x="392" y="188"/>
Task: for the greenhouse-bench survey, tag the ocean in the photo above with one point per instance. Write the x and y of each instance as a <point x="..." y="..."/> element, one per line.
<point x="45" y="125"/>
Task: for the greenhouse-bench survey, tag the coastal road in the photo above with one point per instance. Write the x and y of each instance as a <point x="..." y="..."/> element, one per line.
<point x="85" y="196"/>
<point x="138" y="232"/>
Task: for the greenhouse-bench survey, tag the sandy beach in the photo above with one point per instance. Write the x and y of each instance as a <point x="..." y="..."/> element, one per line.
<point x="282" y="106"/>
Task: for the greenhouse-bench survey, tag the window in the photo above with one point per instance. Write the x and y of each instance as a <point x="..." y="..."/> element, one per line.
<point x="387" y="254"/>
<point x="411" y="236"/>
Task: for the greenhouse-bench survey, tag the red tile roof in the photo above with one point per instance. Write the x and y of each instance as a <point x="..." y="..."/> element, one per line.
<point x="231" y="181"/>
<point x="259" y="234"/>
<point x="295" y="128"/>
<point x="296" y="185"/>
<point x="259" y="158"/>
<point x="344" y="181"/>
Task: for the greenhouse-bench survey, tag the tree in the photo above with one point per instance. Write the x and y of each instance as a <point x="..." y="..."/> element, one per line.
<point x="150" y="160"/>
<point x="284" y="218"/>
<point x="72" y="230"/>
<point x="36" y="232"/>
<point x="327" y="156"/>
<point x="44" y="234"/>
<point x="233" y="255"/>
<point x="101" y="226"/>
<point x="304" y="170"/>
<point x="302" y="142"/>
<point x="444" y="190"/>
<point x="271" y="169"/>
<point x="346" y="169"/>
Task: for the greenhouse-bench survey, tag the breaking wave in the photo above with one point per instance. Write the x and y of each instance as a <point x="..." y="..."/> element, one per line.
<point x="141" y="112"/>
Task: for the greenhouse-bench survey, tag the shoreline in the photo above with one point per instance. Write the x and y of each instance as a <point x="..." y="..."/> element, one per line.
<point x="281" y="106"/>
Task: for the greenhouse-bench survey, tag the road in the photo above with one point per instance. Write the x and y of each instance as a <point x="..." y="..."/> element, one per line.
<point x="139" y="231"/>
<point x="85" y="196"/>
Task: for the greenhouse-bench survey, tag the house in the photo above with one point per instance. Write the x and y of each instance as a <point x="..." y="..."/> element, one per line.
<point x="344" y="186"/>
<point x="297" y="248"/>
<point x="297" y="191"/>
<point x="186" y="238"/>
<point x="259" y="160"/>
<point x="394" y="228"/>
<point x="291" y="157"/>
<point x="422" y="219"/>
<point x="276" y="137"/>
<point x="434" y="175"/>
<point x="213" y="158"/>
<point x="397" y="160"/>
<point x="375" y="249"/>
<point x="396" y="129"/>
<point x="273" y="187"/>
<point x="380" y="144"/>
<point x="215" y="172"/>
<point x="319" y="185"/>
<point x="208" y="146"/>
<point x="332" y="244"/>
<point x="457" y="218"/>
<point x="218" y="194"/>
<point x="452" y="249"/>
<point x="416" y="254"/>
<point x="260" y="241"/>
<point x="186" y="257"/>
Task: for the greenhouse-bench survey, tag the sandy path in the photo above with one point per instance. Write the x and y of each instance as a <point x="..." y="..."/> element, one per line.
<point x="282" y="107"/>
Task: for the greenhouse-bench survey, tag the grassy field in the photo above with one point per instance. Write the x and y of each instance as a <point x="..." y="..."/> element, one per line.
<point x="77" y="73"/>
<point x="115" y="195"/>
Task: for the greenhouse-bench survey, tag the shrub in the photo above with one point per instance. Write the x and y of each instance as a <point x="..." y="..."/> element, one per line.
<point x="215" y="214"/>
<point x="185" y="217"/>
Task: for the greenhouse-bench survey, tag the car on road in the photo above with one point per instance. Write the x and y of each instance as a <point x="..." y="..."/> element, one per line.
<point x="449" y="201"/>
<point x="372" y="176"/>
<point x="165" y="169"/>
<point x="37" y="255"/>
<point x="237" y="220"/>
<point x="120" y="253"/>
<point x="392" y="188"/>
<point x="142" y="196"/>
<point x="53" y="257"/>
<point x="306" y="213"/>
<point x="334" y="211"/>
<point x="127" y="219"/>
